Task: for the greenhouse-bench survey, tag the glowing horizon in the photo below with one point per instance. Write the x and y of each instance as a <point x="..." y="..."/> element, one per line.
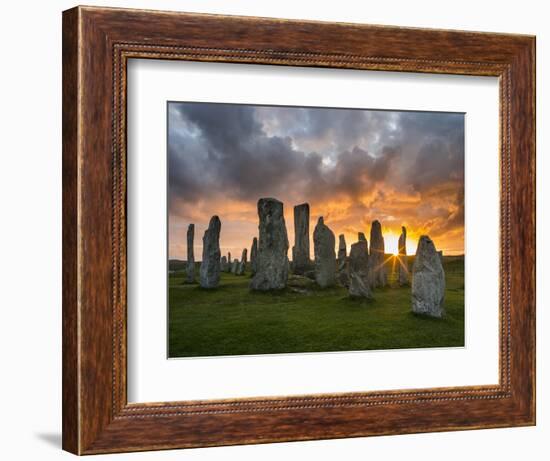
<point x="391" y="238"/>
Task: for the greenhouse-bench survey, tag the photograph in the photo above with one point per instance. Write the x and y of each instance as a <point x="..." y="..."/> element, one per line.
<point x="313" y="229"/>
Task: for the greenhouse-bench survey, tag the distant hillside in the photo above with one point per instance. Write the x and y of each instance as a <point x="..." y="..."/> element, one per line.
<point x="176" y="265"/>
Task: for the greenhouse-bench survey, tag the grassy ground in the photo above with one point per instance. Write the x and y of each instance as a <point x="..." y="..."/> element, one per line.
<point x="232" y="320"/>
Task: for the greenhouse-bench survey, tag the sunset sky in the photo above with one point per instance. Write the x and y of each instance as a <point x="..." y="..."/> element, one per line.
<point x="352" y="166"/>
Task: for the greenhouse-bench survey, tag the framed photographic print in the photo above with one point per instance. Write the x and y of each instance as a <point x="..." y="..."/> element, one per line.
<point x="284" y="230"/>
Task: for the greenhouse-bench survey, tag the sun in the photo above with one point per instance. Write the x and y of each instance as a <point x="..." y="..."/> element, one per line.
<point x="391" y="241"/>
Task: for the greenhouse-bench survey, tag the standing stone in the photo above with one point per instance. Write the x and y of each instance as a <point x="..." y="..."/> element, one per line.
<point x="241" y="268"/>
<point x="403" y="267"/>
<point x="235" y="266"/>
<point x="325" y="256"/>
<point x="342" y="249"/>
<point x="210" y="265"/>
<point x="254" y="256"/>
<point x="342" y="263"/>
<point x="361" y="238"/>
<point x="272" y="262"/>
<point x="428" y="280"/>
<point x="359" y="283"/>
<point x="229" y="262"/>
<point x="223" y="264"/>
<point x="300" y="251"/>
<point x="377" y="271"/>
<point x="440" y="253"/>
<point x="190" y="254"/>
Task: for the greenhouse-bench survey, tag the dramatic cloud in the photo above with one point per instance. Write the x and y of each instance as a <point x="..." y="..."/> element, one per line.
<point x="352" y="166"/>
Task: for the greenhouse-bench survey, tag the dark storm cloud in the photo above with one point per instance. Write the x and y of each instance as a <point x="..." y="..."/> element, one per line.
<point x="244" y="152"/>
<point x="228" y="152"/>
<point x="441" y="149"/>
<point x="355" y="172"/>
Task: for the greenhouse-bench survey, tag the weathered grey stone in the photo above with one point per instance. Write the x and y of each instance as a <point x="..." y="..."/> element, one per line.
<point x="402" y="264"/>
<point x="300" y="284"/>
<point x="254" y="256"/>
<point x="359" y="282"/>
<point x="190" y="270"/>
<point x="440" y="253"/>
<point x="325" y="255"/>
<point x="428" y="280"/>
<point x="342" y="249"/>
<point x="361" y="238"/>
<point x="229" y="262"/>
<point x="342" y="271"/>
<point x="210" y="265"/>
<point x="300" y="251"/>
<point x="235" y="266"/>
<point x="223" y="264"/>
<point x="241" y="268"/>
<point x="377" y="269"/>
<point x="272" y="262"/>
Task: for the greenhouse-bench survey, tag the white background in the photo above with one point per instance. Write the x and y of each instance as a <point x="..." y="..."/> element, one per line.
<point x="30" y="235"/>
<point x="153" y="378"/>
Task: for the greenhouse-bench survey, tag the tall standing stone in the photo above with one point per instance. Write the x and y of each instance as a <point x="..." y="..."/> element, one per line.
<point x="229" y="262"/>
<point x="223" y="264"/>
<point x="342" y="273"/>
<point x="210" y="265"/>
<point x="342" y="249"/>
<point x="190" y="278"/>
<point x="272" y="262"/>
<point x="254" y="256"/>
<point x="325" y="256"/>
<point x="377" y="270"/>
<point x="235" y="266"/>
<point x="300" y="251"/>
<point x="428" y="280"/>
<point x="403" y="267"/>
<point x="242" y="264"/>
<point x="361" y="238"/>
<point x="359" y="283"/>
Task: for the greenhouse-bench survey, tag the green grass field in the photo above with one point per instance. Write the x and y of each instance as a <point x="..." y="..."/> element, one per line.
<point x="232" y="320"/>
